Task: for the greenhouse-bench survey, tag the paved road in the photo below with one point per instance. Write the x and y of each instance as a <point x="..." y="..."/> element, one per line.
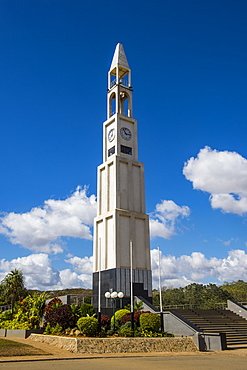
<point x="202" y="362"/>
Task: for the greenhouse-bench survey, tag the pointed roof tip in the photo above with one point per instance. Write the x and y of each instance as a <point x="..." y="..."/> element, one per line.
<point x="119" y="58"/>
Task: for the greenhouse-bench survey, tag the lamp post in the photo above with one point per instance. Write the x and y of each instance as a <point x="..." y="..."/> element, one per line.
<point x="99" y="291"/>
<point x="113" y="296"/>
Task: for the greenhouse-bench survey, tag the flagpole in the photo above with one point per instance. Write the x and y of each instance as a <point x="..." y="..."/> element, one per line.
<point x="131" y="286"/>
<point x="161" y="308"/>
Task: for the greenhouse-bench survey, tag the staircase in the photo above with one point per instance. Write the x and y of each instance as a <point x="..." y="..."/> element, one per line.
<point x="218" y="321"/>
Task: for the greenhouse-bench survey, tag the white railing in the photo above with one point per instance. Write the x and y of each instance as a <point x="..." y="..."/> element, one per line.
<point x="5" y="307"/>
<point x="206" y="305"/>
<point x="121" y="82"/>
<point x="113" y="82"/>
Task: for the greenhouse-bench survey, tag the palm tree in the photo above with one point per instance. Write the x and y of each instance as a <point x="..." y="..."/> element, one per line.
<point x="12" y="286"/>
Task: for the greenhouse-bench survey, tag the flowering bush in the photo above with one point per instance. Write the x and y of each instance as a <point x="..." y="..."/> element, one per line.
<point x="54" y="303"/>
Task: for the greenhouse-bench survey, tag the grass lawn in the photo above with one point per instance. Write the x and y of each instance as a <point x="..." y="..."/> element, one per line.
<point x="11" y="348"/>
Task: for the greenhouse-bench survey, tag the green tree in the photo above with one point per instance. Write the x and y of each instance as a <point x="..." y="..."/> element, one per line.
<point x="138" y="306"/>
<point x="237" y="290"/>
<point x="194" y="293"/>
<point x="204" y="296"/>
<point x="170" y="297"/>
<point x="12" y="287"/>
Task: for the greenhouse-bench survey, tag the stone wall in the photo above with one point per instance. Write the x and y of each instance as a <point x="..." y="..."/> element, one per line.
<point x="70" y="344"/>
<point x="118" y="345"/>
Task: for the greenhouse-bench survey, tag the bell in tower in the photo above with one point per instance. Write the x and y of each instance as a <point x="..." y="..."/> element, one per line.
<point x="121" y="228"/>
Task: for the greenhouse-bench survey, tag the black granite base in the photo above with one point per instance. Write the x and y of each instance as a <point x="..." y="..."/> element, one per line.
<point x="119" y="280"/>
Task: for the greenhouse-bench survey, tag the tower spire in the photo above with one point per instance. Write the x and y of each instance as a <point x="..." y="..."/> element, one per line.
<point x="119" y="58"/>
<point x="119" y="72"/>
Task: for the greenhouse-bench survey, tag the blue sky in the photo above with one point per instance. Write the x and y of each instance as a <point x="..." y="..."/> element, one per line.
<point x="188" y="61"/>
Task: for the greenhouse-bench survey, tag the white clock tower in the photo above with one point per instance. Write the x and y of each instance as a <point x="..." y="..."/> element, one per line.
<point x="121" y="216"/>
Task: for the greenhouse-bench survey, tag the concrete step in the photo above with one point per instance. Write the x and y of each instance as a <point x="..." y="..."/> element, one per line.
<point x="215" y="321"/>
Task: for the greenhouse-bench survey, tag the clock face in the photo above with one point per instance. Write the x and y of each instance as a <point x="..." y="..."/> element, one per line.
<point x="125" y="133"/>
<point x="111" y="134"/>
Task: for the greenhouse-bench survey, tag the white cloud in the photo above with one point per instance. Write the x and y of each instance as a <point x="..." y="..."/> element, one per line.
<point x="183" y="270"/>
<point x="81" y="264"/>
<point x="70" y="279"/>
<point x="175" y="271"/>
<point x="43" y="228"/>
<point x="164" y="218"/>
<point x="39" y="273"/>
<point x="226" y="242"/>
<point x="40" y="229"/>
<point x="223" y="174"/>
<point x="37" y="269"/>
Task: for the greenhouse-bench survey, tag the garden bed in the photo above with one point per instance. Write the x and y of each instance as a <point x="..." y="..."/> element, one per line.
<point x="118" y="345"/>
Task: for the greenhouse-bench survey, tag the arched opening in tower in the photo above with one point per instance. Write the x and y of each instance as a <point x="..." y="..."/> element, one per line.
<point x="125" y="104"/>
<point x="112" y="104"/>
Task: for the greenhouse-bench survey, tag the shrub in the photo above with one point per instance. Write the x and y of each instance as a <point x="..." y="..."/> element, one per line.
<point x="33" y="305"/>
<point x="34" y="322"/>
<point x="28" y="313"/>
<point x="138" y="306"/>
<point x="13" y="324"/>
<point x="105" y="322"/>
<point x="151" y="334"/>
<point x="150" y="322"/>
<point x="6" y="315"/>
<point x="125" y="330"/>
<point x="53" y="331"/>
<point x="127" y="317"/>
<point x="88" y="326"/>
<point x="86" y="309"/>
<point x="76" y="310"/>
<point x="54" y="303"/>
<point x="62" y="316"/>
<point x="119" y="314"/>
<point x="47" y="329"/>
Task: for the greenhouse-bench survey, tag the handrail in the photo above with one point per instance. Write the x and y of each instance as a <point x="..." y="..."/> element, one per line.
<point x="121" y="82"/>
<point x="196" y="305"/>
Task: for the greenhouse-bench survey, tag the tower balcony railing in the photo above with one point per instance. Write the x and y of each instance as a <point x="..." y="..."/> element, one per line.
<point x="124" y="82"/>
<point x="112" y="113"/>
<point x="113" y="82"/>
<point x="125" y="113"/>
